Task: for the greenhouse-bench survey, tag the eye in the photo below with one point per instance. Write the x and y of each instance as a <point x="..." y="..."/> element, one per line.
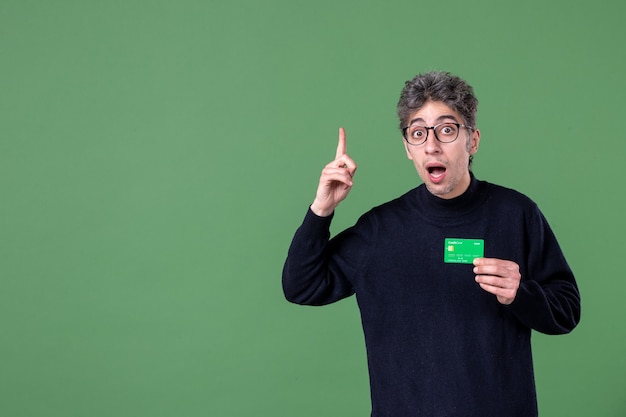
<point x="448" y="130"/>
<point x="417" y="132"/>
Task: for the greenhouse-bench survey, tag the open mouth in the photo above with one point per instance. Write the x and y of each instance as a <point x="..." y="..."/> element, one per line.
<point x="435" y="170"/>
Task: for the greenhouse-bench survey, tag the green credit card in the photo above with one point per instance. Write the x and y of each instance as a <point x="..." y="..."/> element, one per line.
<point x="463" y="251"/>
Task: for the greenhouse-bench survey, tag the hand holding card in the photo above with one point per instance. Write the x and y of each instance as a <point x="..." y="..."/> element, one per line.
<point x="499" y="277"/>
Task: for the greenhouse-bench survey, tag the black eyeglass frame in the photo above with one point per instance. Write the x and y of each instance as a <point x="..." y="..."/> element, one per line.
<point x="433" y="128"/>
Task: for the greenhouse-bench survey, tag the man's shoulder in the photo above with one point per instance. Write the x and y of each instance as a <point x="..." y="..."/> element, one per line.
<point x="396" y="207"/>
<point x="500" y="194"/>
<point x="402" y="202"/>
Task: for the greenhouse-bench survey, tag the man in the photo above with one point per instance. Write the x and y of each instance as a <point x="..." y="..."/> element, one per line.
<point x="450" y="278"/>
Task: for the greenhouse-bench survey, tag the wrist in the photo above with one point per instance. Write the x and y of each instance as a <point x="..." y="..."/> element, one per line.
<point x="321" y="211"/>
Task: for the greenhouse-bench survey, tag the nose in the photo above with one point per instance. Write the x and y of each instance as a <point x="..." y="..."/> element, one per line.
<point x="432" y="145"/>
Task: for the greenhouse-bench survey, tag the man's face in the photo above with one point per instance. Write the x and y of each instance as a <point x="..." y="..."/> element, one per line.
<point x="444" y="167"/>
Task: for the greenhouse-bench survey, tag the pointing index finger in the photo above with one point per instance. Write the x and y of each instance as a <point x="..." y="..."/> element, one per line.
<point x="341" y="146"/>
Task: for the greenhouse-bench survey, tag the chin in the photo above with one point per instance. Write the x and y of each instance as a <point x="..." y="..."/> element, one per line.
<point x="442" y="191"/>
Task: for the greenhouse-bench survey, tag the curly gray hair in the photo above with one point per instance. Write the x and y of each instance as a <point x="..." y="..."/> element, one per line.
<point x="438" y="86"/>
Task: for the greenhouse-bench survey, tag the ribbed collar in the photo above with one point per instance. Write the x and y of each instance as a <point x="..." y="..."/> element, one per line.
<point x="458" y="208"/>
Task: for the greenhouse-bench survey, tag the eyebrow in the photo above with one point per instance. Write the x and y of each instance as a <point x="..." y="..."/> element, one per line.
<point x="437" y="121"/>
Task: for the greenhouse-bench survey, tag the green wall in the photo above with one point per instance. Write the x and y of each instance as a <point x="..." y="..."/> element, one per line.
<point x="157" y="156"/>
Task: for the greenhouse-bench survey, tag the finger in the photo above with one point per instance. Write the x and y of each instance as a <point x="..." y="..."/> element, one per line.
<point x="493" y="261"/>
<point x="343" y="162"/>
<point x="341" y="146"/>
<point x="487" y="261"/>
<point x="490" y="288"/>
<point x="504" y="295"/>
<point x="331" y="174"/>
<point x="498" y="281"/>
<point x="488" y="270"/>
<point x="347" y="163"/>
<point x="492" y="281"/>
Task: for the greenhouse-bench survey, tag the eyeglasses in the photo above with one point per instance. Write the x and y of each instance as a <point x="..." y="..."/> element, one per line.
<point x="444" y="132"/>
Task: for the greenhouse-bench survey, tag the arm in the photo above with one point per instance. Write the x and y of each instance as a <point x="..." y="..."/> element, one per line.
<point x="546" y="298"/>
<point x="310" y="275"/>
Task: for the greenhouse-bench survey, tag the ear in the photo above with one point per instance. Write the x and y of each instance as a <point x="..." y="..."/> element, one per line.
<point x="406" y="148"/>
<point x="474" y="141"/>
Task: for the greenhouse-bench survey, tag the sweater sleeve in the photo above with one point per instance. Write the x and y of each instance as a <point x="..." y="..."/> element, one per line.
<point x="318" y="270"/>
<point x="548" y="299"/>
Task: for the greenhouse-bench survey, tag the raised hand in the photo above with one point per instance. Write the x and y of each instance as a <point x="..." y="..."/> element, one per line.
<point x="335" y="181"/>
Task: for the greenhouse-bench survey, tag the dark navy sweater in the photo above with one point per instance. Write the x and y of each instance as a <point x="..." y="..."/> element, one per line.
<point x="437" y="344"/>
